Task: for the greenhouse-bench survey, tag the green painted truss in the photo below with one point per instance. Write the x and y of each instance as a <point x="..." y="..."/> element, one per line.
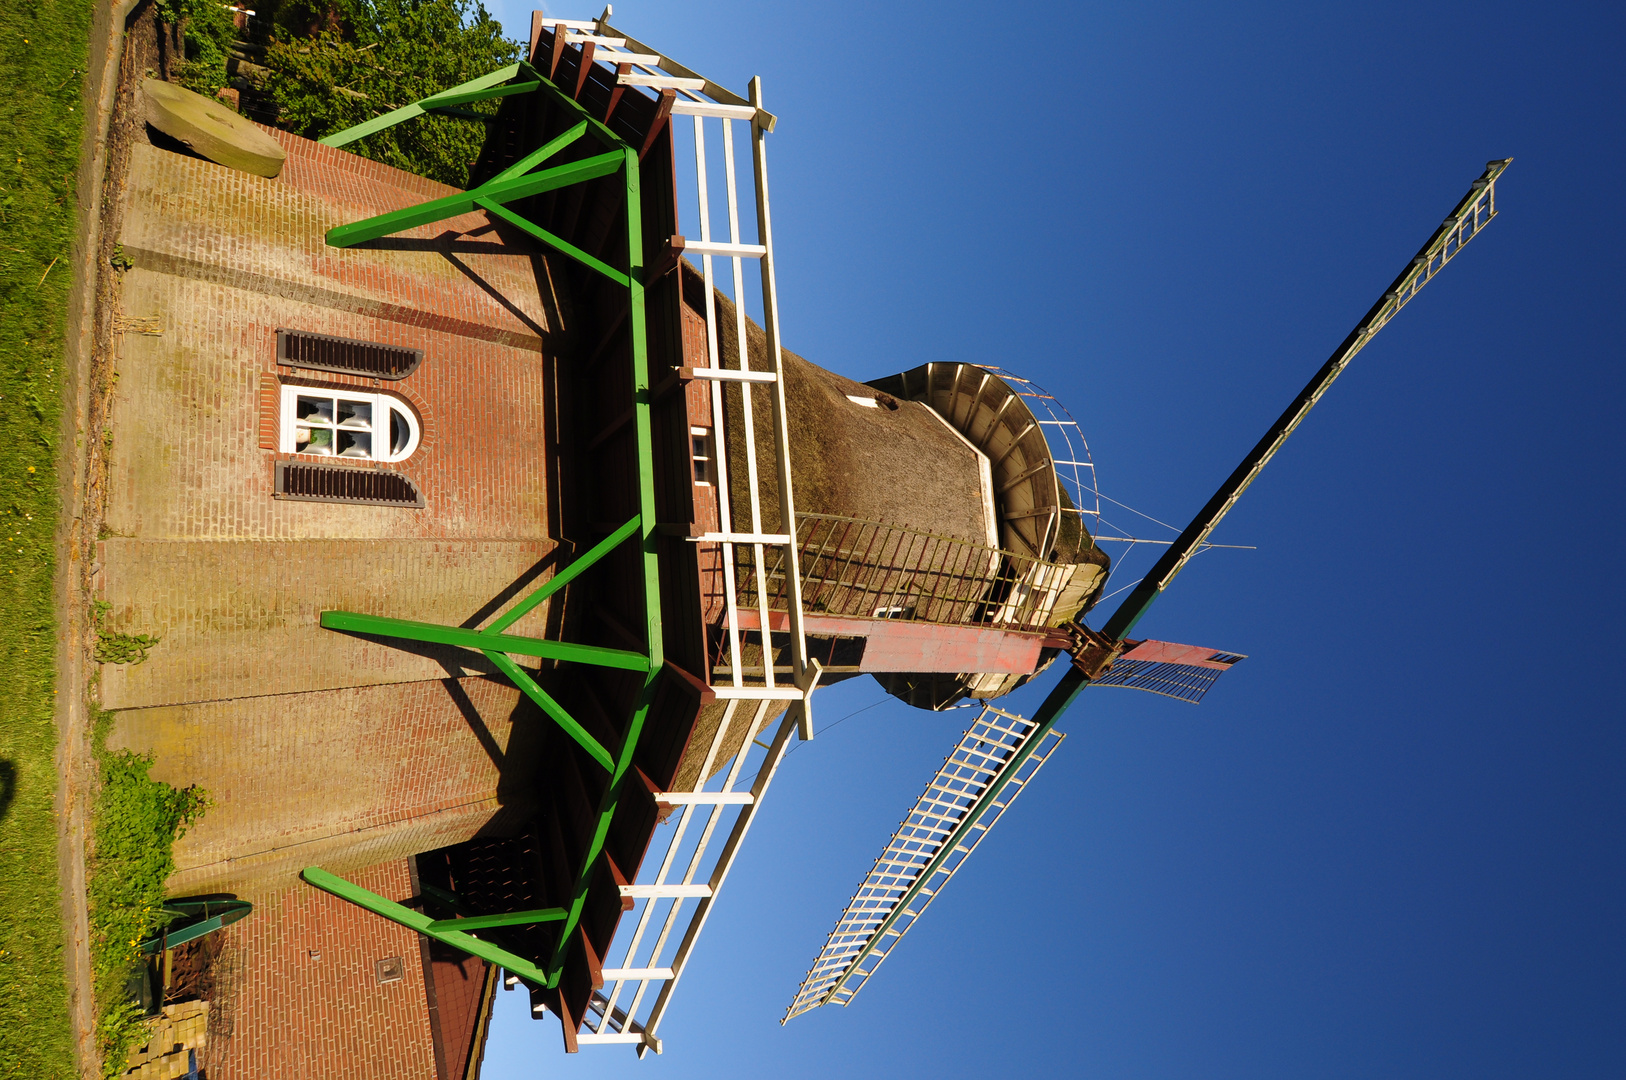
<point x="523" y="179"/>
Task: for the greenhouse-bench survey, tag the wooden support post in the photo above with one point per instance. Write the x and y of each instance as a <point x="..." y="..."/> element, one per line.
<point x="615" y="94"/>
<point x="663" y="112"/>
<point x="595" y="967"/>
<point x="570" y="1023"/>
<point x="666" y="258"/>
<point x="536" y="35"/>
<point x="619" y="878"/>
<point x="586" y="66"/>
<point x="558" y="50"/>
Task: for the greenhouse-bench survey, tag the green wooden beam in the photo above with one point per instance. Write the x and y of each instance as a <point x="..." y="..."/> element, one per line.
<point x="497" y="191"/>
<point x="528" y="686"/>
<point x="563" y="577"/>
<point x="553" y="241"/>
<point x="537" y="157"/>
<point x="358" y="623"/>
<point x="423" y="924"/>
<point x="445" y="899"/>
<point x="513" y="918"/>
<point x="455" y="95"/>
<point x="642" y="426"/>
<point x="493" y="643"/>
<point x="510" y="185"/>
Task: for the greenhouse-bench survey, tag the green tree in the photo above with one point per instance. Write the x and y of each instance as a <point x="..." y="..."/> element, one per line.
<point x="206" y="27"/>
<point x="381" y="55"/>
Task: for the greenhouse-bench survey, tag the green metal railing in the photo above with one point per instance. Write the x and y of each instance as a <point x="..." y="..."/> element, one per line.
<point x="517" y="182"/>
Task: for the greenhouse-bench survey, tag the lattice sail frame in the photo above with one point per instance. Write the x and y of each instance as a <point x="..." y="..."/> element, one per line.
<point x="984" y="773"/>
<point x="1185" y="679"/>
<point x="846" y="963"/>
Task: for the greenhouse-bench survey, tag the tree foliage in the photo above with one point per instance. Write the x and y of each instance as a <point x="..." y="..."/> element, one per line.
<point x="208" y="30"/>
<point x="367" y="57"/>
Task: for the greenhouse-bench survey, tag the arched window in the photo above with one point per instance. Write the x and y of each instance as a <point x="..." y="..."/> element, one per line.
<point x="320" y="422"/>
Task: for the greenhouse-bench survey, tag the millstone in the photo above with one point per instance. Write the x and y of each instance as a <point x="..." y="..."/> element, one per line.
<point x="211" y="129"/>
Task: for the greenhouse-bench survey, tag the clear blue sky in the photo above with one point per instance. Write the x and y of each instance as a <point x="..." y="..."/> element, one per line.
<point x="1390" y="843"/>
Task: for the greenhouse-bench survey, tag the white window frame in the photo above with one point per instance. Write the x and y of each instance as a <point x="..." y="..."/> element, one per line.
<point x="704" y="462"/>
<point x="381" y="405"/>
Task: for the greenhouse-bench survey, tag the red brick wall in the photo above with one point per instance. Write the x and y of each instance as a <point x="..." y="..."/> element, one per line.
<point x="188" y="412"/>
<point x="341" y="779"/>
<point x="223" y="260"/>
<point x="303" y="998"/>
<point x="459" y="993"/>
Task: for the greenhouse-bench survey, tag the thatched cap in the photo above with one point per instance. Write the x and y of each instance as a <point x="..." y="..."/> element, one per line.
<point x="855" y="452"/>
<point x="1036" y="516"/>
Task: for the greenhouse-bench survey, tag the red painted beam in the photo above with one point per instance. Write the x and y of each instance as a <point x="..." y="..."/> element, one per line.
<point x="901" y="645"/>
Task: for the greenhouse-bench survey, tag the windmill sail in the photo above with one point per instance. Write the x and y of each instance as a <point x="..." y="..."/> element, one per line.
<point x="1475" y="210"/>
<point x="1162" y="667"/>
<point x="1001" y="752"/>
<point x="995" y="758"/>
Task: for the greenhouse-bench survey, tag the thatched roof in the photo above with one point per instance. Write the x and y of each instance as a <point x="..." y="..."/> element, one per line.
<point x="895" y="462"/>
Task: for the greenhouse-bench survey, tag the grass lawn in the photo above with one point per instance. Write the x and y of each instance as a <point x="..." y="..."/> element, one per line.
<point x="43" y="51"/>
<point x="43" y="48"/>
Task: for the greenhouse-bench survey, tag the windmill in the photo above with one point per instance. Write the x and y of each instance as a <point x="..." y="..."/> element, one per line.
<point x="1001" y="752"/>
<point x="745" y="526"/>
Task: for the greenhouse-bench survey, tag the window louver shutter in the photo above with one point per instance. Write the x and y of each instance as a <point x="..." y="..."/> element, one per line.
<point x="345" y="484"/>
<point x="323" y="352"/>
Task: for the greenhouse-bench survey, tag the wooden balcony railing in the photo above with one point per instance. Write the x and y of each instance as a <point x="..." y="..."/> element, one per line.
<point x="871" y="570"/>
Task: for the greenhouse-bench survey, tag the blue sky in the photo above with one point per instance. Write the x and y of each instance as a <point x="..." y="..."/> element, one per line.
<point x="1390" y="842"/>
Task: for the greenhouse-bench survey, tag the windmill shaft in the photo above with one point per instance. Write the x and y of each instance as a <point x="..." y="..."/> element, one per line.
<point x="1472" y="213"/>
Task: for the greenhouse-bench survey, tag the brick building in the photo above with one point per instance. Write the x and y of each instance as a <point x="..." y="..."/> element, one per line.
<point x="354" y="755"/>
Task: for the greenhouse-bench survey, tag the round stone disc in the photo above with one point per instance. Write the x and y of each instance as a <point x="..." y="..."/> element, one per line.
<point x="211" y="129"/>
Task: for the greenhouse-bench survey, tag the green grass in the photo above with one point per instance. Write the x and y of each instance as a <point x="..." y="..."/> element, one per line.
<point x="136" y="822"/>
<point x="43" y="46"/>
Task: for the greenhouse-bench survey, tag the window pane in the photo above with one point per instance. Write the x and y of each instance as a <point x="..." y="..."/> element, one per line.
<point x="314" y="410"/>
<point x="312" y="440"/>
<point x="399" y="432"/>
<point x="356" y="414"/>
<point x="355" y="444"/>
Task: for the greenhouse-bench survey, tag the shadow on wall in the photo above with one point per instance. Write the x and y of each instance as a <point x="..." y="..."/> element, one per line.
<point x="8" y="785"/>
